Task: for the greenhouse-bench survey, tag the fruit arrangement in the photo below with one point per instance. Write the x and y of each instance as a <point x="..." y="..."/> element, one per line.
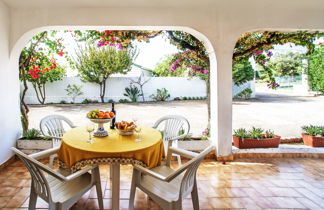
<point x="96" y="114"/>
<point x="125" y="126"/>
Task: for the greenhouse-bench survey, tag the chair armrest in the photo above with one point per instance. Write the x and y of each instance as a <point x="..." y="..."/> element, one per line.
<point x="184" y="153"/>
<point x="149" y="172"/>
<point x="80" y="172"/>
<point x="45" y="153"/>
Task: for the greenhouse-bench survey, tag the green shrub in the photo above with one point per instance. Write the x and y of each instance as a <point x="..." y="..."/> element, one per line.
<point x="161" y="95"/>
<point x="111" y="101"/>
<point x="254" y="133"/>
<point x="246" y="94"/>
<point x="132" y="92"/>
<point x="242" y="72"/>
<point x="63" y="102"/>
<point x="316" y="70"/>
<point x="124" y="101"/>
<point x="241" y="133"/>
<point x="32" y="134"/>
<point x="85" y="101"/>
<point x="313" y="130"/>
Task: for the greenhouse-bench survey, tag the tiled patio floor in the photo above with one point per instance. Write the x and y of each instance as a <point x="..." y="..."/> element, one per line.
<point x="243" y="184"/>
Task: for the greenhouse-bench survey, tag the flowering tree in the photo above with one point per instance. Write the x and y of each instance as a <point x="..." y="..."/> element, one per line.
<point x="43" y="70"/>
<point x="37" y="62"/>
<point x="96" y="64"/>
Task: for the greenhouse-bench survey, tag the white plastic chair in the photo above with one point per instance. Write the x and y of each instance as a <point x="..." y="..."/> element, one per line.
<point x="175" y="127"/>
<point x="52" y="126"/>
<point x="58" y="188"/>
<point x="167" y="187"/>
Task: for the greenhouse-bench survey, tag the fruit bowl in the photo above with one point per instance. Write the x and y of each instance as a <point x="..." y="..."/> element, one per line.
<point x="100" y="118"/>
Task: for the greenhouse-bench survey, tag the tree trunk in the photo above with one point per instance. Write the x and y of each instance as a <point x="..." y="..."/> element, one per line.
<point x="40" y="92"/>
<point x="23" y="106"/>
<point x="141" y="86"/>
<point x="103" y="90"/>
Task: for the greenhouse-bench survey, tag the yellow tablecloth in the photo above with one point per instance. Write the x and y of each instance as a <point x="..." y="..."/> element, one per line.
<point x="75" y="152"/>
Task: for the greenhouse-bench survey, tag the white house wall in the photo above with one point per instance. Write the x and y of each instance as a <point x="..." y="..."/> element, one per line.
<point x="9" y="119"/>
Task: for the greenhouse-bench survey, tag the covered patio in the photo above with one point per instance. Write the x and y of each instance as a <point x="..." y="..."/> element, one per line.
<point x="270" y="183"/>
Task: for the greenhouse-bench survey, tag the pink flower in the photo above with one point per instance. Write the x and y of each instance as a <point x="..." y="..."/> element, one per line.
<point x="119" y="46"/>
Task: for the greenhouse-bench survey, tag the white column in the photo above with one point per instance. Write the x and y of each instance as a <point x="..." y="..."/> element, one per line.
<point x="221" y="98"/>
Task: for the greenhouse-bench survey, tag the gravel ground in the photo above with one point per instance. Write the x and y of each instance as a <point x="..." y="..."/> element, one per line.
<point x="283" y="114"/>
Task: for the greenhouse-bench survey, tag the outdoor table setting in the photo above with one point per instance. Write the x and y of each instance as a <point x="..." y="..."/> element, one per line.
<point x="138" y="144"/>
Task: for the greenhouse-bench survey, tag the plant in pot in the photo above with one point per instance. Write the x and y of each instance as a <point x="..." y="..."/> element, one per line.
<point x="313" y="135"/>
<point x="32" y="141"/>
<point x="255" y="138"/>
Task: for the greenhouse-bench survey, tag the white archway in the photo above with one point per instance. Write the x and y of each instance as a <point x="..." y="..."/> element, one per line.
<point x="22" y="41"/>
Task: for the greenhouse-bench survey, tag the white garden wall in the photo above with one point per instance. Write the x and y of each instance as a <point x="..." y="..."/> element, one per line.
<point x="177" y="87"/>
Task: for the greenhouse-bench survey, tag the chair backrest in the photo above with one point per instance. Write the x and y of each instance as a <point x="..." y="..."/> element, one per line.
<point x="35" y="168"/>
<point x="175" y="127"/>
<point x="52" y="125"/>
<point x="189" y="177"/>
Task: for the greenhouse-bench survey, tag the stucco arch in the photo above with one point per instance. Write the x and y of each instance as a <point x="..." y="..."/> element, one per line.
<point x="23" y="40"/>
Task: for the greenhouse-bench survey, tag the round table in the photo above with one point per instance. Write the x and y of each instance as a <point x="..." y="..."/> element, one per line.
<point x="114" y="149"/>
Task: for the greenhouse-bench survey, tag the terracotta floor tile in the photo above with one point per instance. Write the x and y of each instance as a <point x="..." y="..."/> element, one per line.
<point x="244" y="184"/>
<point x="4" y="201"/>
<point x="286" y="202"/>
<point x="19" y="198"/>
<point x="284" y="192"/>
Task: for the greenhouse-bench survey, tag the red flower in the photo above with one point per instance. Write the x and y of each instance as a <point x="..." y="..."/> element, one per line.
<point x="61" y="53"/>
<point x="34" y="73"/>
<point x="54" y="66"/>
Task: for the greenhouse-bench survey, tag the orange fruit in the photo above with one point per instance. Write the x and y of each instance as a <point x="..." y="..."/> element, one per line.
<point x="111" y="114"/>
<point x="100" y="115"/>
<point x="106" y="115"/>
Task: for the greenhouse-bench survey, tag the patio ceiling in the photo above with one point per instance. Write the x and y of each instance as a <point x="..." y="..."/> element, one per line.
<point x="221" y="5"/>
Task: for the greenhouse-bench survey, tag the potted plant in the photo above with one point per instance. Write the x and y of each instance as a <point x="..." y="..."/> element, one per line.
<point x="32" y="141"/>
<point x="195" y="143"/>
<point x="313" y="135"/>
<point x="255" y="138"/>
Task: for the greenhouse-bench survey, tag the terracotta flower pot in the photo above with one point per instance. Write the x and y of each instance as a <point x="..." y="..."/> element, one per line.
<point x="313" y="141"/>
<point x="256" y="143"/>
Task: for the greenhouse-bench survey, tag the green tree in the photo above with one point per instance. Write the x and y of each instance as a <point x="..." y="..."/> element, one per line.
<point x="242" y="72"/>
<point x="316" y="70"/>
<point x="162" y="69"/>
<point x="97" y="64"/>
<point x="259" y="44"/>
<point x="289" y="64"/>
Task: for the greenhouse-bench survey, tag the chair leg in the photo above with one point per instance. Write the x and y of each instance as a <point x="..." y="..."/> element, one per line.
<point x="179" y="160"/>
<point x="52" y="206"/>
<point x="98" y="188"/>
<point x="194" y="197"/>
<point x="51" y="160"/>
<point x="132" y="192"/>
<point x="32" y="199"/>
